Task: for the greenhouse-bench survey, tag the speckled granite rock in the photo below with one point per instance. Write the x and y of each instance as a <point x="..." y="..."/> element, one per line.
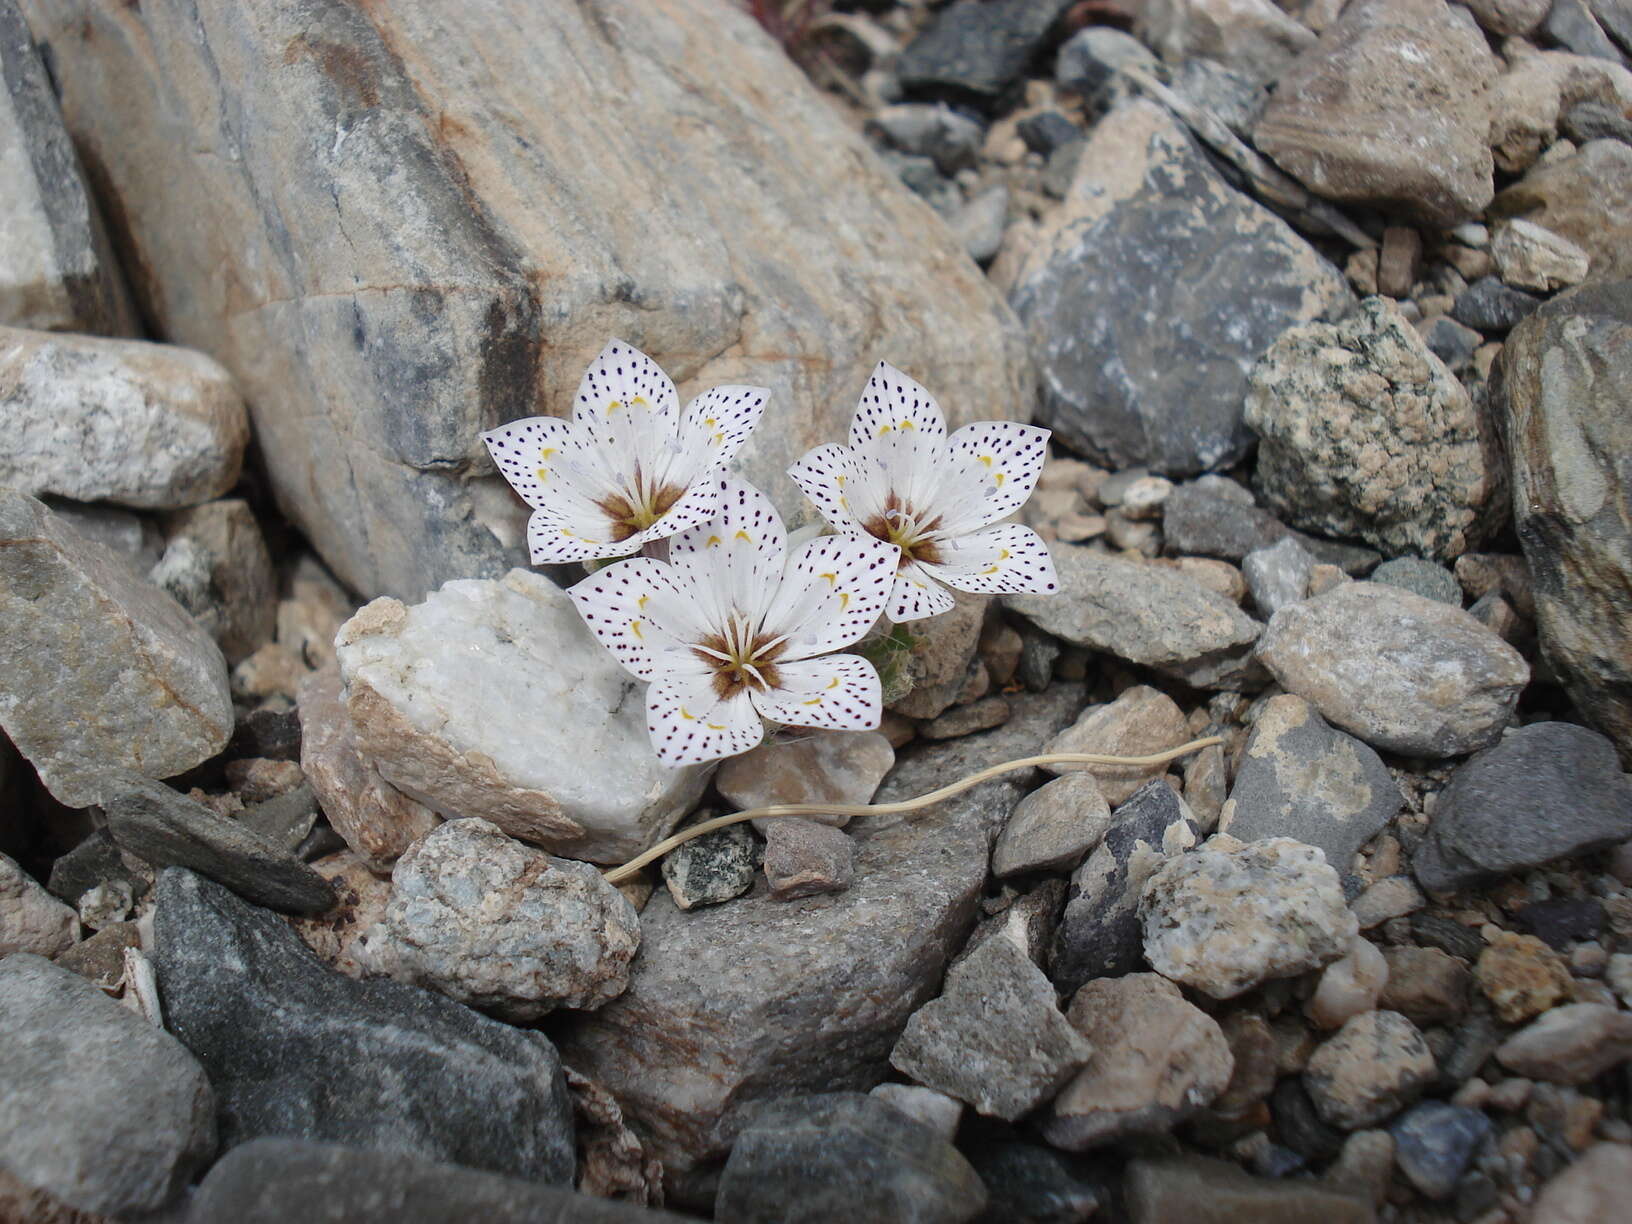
<point x="1375" y="1065"/>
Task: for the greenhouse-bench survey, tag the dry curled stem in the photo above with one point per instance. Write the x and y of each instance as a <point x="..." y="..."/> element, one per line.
<point x="617" y="875"/>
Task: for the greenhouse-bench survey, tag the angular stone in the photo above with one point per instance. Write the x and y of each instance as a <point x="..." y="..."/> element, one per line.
<point x="1198" y="1190"/>
<point x="436" y="693"/>
<point x="1027" y="1181"/>
<point x="145" y="425"/>
<point x="971" y="53"/>
<point x="1570" y="1045"/>
<point x="1426" y="985"/>
<point x="814" y="767"/>
<point x="805" y="857"/>
<point x="216" y="565"/>
<point x="1277" y="575"/>
<point x="1567" y="391"/>
<point x="1434" y="1142"/>
<point x="1594" y="1188"/>
<point x="844" y="1156"/>
<point x="390" y="290"/>
<point x="743" y="1001"/>
<point x="1377" y="1063"/>
<point x="1143" y="363"/>
<point x="1252" y="36"/>
<point x="1545" y="792"/>
<point x="57" y="270"/>
<point x="1389" y="109"/>
<point x="1099" y="933"/>
<point x="1140" y="722"/>
<point x="1403" y="673"/>
<point x="1490" y="306"/>
<point x="274" y="1180"/>
<point x="1053" y="827"/>
<point x="995" y="1037"/>
<point x="1533" y="257"/>
<point x="1420" y="577"/>
<point x="1156" y="1059"/>
<point x="1145" y="614"/>
<point x="1232" y="914"/>
<point x="294" y="1048"/>
<point x="166" y="828"/>
<point x="31" y="919"/>
<point x="1365" y="433"/>
<point x="715" y="867"/>
<point x="981" y="715"/>
<point x="1301" y="778"/>
<point x="98" y="669"/>
<point x="98" y="1107"/>
<point x="1583" y="198"/>
<point x="1349" y="985"/>
<point x="1521" y="976"/>
<point x="503" y="927"/>
<point x="377" y="820"/>
<point x="1216" y="517"/>
<point x="935" y="1110"/>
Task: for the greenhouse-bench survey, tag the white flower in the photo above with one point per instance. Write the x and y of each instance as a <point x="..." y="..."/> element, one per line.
<point x="629" y="467"/>
<point x="904" y="481"/>
<point x="728" y="628"/>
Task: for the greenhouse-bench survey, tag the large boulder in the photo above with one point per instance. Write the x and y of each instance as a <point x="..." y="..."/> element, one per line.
<point x="1567" y="395"/>
<point x="1151" y="292"/>
<point x="399" y="225"/>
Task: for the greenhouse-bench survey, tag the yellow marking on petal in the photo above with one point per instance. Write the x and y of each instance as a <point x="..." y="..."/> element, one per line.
<point x="641" y="602"/>
<point x="543" y="474"/>
<point x="812" y="701"/>
<point x="639" y="399"/>
<point x="1004" y="555"/>
<point x="612" y="406"/>
<point x="907" y="425"/>
<point x="998" y="478"/>
<point x="568" y="534"/>
<point x="990" y="569"/>
<point x="634" y="628"/>
<point x="743" y="535"/>
<point x="884" y="429"/>
<point x="711" y="542"/>
<point x="833" y="683"/>
<point x="839" y="480"/>
<point x="546" y="452"/>
<point x="833" y="578"/>
<point x="710" y="422"/>
<point x="715" y="726"/>
<point x="716" y="439"/>
<point x="844" y="502"/>
<point x="687" y="715"/>
<point x="987" y="460"/>
<point x="844" y="600"/>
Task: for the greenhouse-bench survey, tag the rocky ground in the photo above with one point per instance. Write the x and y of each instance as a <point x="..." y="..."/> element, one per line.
<point x="305" y="785"/>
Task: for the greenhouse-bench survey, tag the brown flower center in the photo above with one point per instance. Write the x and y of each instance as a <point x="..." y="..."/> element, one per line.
<point x="633" y="511"/>
<point x="741" y="659"/>
<point x="899" y="524"/>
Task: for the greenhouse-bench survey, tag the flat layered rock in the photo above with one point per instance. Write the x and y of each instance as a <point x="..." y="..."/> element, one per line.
<point x="399" y="237"/>
<point x="99" y="670"/>
<point x="488" y="698"/>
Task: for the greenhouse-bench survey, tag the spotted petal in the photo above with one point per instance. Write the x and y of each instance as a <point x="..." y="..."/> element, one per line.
<point x="625" y="376"/>
<point x="733" y="561"/>
<point x="529" y="453"/>
<point x="915" y="595"/>
<point x="893" y="403"/>
<point x="714" y="427"/>
<point x="690" y="723"/>
<point x="550" y="541"/>
<point x="1006" y="560"/>
<point x="826" y="475"/>
<point x="994" y="468"/>
<point x="635" y="610"/>
<point x="835" y="587"/>
<point x="841" y="692"/>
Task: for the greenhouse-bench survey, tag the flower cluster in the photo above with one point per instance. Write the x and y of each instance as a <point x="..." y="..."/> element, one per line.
<point x="731" y="630"/>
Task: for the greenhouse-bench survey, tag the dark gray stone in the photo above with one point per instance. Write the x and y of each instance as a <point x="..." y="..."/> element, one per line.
<point x="1421" y="577"/>
<point x="844" y="1156"/>
<point x="952" y="141"/>
<point x="285" y="819"/>
<point x="1216" y="517"/>
<point x="276" y="1181"/>
<point x="1433" y="1143"/>
<point x="1615" y="17"/>
<point x="1232" y="97"/>
<point x="976" y="49"/>
<point x="1571" y="24"/>
<point x="68" y="277"/>
<point x="1452" y="343"/>
<point x="1046" y="131"/>
<point x="1488" y="305"/>
<point x="293" y="1048"/>
<point x="1034" y="1185"/>
<point x="97" y="1107"/>
<point x="1099" y="934"/>
<point x="1144" y="358"/>
<point x="94" y="861"/>
<point x="1448" y="935"/>
<point x="1062" y="167"/>
<point x="1089" y="60"/>
<point x="922" y="176"/>
<point x="1302" y="778"/>
<point x="1039" y="652"/>
<point x="271" y="730"/>
<point x="1300" y="1125"/>
<point x="1594" y="121"/>
<point x="1547" y="791"/>
<point x="1563" y="921"/>
<point x="168" y="829"/>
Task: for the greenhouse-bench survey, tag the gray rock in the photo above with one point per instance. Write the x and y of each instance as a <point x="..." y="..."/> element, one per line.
<point x="1403" y="673"/>
<point x="1569" y="1045"/>
<point x="285" y="820"/>
<point x="1099" y="933"/>
<point x="1053" y="827"/>
<point x="1277" y="575"/>
<point x="1506" y="17"/>
<point x="1252" y="36"/>
<point x="1452" y="343"/>
<point x="144" y="425"/>
<point x="57" y="270"/>
<point x="995" y="1037"/>
<point x="1157" y="1059"/>
<point x="1145" y="614"/>
<point x="1215" y="517"/>
<point x="97" y="1107"/>
<point x="98" y="669"/>
<point x="1140" y="722"/>
<point x="1389" y="109"/>
<point x="131" y="535"/>
<point x="1364" y="432"/>
<point x="973" y="52"/>
<point x="1548" y="791"/>
<point x="31" y="919"/>
<point x="1572" y="25"/>
<point x="1029" y="1182"/>
<point x="935" y="1110"/>
<point x="1234" y="98"/>
<point x="1567" y="388"/>
<point x="1200" y="1190"/>
<point x="1595" y="121"/>
<point x="216" y="565"/>
<point x="981" y="715"/>
<point x="501" y="926"/>
<point x="95" y="860"/>
<point x="923" y="179"/>
<point x="1088" y="61"/>
<point x="844" y="1156"/>
<point x="166" y="828"/>
<point x="293" y="1048"/>
<point x="936" y="668"/>
<point x="388" y="291"/>
<point x="981" y="223"/>
<point x="1231" y="915"/>
<point x="1490" y="306"/>
<point x="806" y="857"/>
<point x="1434" y="1142"/>
<point x="1375" y="1064"/>
<point x="422" y="687"/>
<point x="1299" y="777"/>
<point x="1420" y="577"/>
<point x="1141" y="362"/>
<point x="272" y="1181"/>
<point x="1045" y="131"/>
<point x="738" y="1002"/>
<point x="713" y="868"/>
<point x="952" y="141"/>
